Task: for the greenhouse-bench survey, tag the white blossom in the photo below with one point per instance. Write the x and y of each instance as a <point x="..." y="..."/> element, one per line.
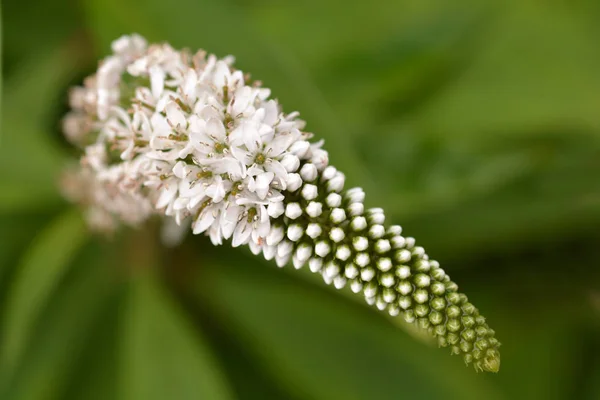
<point x="189" y="138"/>
<point x="193" y="138"/>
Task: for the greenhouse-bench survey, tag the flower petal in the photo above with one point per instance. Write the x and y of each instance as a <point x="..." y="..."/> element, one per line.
<point x="215" y="129"/>
<point x="175" y="116"/>
<point x="167" y="194"/>
<point x="204" y="221"/>
<point x="263" y="182"/>
<point x="242" y="233"/>
<point x="157" y="80"/>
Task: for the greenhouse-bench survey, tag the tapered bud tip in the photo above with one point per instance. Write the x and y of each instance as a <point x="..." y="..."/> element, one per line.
<point x="492" y="363"/>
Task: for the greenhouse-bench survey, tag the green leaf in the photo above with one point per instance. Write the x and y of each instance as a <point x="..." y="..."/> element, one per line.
<point x="538" y="68"/>
<point x="325" y="347"/>
<point x="402" y="71"/>
<point x="162" y="356"/>
<point x="15" y="237"/>
<point x="588" y="385"/>
<point x="21" y="196"/>
<point x="41" y="269"/>
<point x="30" y="157"/>
<point x="247" y="381"/>
<point x="29" y="98"/>
<point x="95" y="372"/>
<point x="71" y="315"/>
<point x="31" y="33"/>
<point x="1" y="58"/>
<point x="473" y="198"/>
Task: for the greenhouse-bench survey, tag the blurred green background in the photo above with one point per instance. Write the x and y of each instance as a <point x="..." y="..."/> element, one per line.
<point x="476" y="125"/>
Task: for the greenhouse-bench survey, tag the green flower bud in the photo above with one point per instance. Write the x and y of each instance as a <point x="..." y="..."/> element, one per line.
<point x="436" y="318"/>
<point x="468" y="321"/>
<point x="438" y="303"/>
<point x="424" y="323"/>
<point x="422" y="310"/>
<point x="453" y="312"/>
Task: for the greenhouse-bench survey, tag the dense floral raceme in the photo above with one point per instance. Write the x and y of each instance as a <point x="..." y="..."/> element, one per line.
<point x="190" y="138"/>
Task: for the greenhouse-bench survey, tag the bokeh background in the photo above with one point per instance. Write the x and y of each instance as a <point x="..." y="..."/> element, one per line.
<point x="476" y="125"/>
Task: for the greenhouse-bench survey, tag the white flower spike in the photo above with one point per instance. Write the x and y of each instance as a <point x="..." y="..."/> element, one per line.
<point x="187" y="137"/>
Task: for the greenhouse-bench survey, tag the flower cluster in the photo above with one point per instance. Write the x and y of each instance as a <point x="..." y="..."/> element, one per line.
<point x="187" y="136"/>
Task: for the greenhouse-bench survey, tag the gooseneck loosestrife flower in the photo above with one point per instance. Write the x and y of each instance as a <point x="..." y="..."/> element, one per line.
<point x="187" y="136"/>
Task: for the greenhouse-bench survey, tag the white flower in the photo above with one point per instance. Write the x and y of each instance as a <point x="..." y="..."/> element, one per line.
<point x="256" y="146"/>
<point x="260" y="183"/>
<point x="224" y="77"/>
<point x="95" y="156"/>
<point x="196" y="141"/>
<point x="208" y="137"/>
<point x="129" y="46"/>
<point x="169" y="140"/>
<point x="208" y="216"/>
<point x="76" y="126"/>
<point x="253" y="223"/>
